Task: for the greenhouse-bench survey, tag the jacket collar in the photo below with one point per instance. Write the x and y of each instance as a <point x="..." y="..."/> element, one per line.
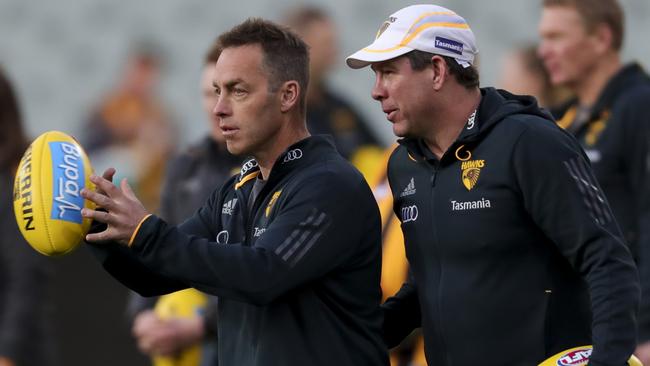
<point x="625" y="79"/>
<point x="495" y="106"/>
<point x="301" y="154"/>
<point x="629" y="76"/>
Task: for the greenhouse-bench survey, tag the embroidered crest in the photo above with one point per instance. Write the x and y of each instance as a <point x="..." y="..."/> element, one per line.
<point x="470" y="177"/>
<point x="470" y="169"/>
<point x="274" y="198"/>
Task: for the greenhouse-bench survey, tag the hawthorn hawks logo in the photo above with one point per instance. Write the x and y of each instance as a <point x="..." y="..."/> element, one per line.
<point x="274" y="198"/>
<point x="470" y="169"/>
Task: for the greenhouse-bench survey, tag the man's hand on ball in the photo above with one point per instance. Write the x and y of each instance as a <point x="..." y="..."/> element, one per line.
<point x="123" y="211"/>
<point x="108" y="175"/>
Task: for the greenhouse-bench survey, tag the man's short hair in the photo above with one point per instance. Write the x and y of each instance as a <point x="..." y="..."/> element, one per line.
<point x="466" y="76"/>
<point x="285" y="55"/>
<point x="596" y="12"/>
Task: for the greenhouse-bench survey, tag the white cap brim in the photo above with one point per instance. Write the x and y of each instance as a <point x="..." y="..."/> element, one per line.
<point x="367" y="56"/>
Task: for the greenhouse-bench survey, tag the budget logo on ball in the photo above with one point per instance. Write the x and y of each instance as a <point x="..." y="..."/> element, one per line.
<point x="579" y="357"/>
<point x="47" y="193"/>
<point x="68" y="179"/>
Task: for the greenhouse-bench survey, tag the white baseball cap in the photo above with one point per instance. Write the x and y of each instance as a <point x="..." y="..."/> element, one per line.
<point x="428" y="28"/>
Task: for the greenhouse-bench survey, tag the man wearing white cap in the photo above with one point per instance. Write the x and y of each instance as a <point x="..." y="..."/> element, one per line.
<point x="514" y="252"/>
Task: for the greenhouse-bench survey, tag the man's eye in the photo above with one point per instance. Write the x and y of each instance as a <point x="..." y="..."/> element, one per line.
<point x="239" y="92"/>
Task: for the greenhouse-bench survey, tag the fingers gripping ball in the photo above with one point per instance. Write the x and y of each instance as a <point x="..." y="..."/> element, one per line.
<point x="47" y="199"/>
<point x="579" y="356"/>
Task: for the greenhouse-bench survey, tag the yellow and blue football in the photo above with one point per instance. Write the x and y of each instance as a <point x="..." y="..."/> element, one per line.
<point x="47" y="198"/>
<point x="579" y="356"/>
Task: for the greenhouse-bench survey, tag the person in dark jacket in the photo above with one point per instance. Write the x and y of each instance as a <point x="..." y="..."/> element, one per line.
<point x="25" y="276"/>
<point x="291" y="245"/>
<point x="514" y="252"/>
<point x="610" y="117"/>
<point x="191" y="177"/>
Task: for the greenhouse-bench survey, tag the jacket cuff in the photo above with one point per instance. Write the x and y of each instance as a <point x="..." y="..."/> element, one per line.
<point x="137" y="228"/>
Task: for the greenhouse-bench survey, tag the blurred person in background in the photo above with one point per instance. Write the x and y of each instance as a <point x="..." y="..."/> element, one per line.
<point x="25" y="304"/>
<point x="328" y="112"/>
<point x="581" y="42"/>
<point x="523" y="73"/>
<point x="191" y="177"/>
<point x="132" y="127"/>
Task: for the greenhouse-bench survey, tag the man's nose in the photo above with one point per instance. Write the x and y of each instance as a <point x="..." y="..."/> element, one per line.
<point x="378" y="90"/>
<point x="221" y="108"/>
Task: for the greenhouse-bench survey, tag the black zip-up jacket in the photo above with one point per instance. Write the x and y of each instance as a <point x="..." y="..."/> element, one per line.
<point x="508" y="236"/>
<point x="297" y="276"/>
<point x="616" y="138"/>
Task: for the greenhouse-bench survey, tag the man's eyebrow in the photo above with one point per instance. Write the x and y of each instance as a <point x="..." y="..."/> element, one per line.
<point x="230" y="83"/>
<point x="378" y="66"/>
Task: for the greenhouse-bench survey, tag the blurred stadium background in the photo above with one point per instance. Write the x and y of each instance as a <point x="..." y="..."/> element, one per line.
<point x="63" y="55"/>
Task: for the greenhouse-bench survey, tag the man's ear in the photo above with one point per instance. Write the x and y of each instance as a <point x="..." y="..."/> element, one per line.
<point x="603" y="38"/>
<point x="439" y="72"/>
<point x="289" y="95"/>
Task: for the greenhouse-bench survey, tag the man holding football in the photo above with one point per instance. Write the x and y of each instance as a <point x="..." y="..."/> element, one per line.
<point x="296" y="264"/>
